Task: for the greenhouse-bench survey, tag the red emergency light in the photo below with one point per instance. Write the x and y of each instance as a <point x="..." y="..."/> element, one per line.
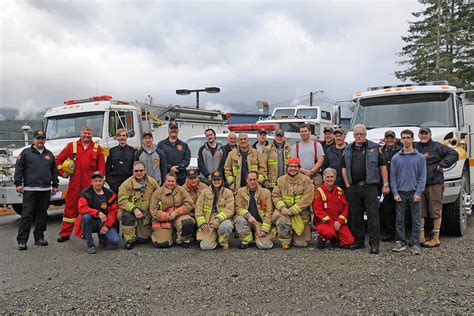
<point x="252" y="127"/>
<point x="91" y="99"/>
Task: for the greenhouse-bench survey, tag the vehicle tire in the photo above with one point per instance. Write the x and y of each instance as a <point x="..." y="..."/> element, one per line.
<point x="18" y="208"/>
<point x="455" y="214"/>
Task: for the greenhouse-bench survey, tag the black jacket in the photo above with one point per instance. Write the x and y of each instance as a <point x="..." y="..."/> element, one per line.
<point x="35" y="169"/>
<point x="436" y="154"/>
<point x="388" y="154"/>
<point x="333" y="159"/>
<point x="120" y="161"/>
<point x="177" y="154"/>
<point x="228" y="149"/>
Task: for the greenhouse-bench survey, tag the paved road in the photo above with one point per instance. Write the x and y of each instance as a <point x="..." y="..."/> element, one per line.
<point x="64" y="278"/>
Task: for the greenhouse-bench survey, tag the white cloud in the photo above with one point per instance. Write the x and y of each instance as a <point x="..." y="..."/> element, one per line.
<point x="54" y="51"/>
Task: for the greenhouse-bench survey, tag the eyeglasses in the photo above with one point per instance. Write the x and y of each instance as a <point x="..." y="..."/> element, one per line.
<point x="359" y="134"/>
<point x="139" y="170"/>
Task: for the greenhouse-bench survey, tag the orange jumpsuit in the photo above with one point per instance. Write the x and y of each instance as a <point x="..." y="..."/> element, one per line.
<point x="86" y="162"/>
<point x="330" y="206"/>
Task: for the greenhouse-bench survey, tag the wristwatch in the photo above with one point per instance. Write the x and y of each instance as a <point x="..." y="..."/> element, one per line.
<point x="385" y="185"/>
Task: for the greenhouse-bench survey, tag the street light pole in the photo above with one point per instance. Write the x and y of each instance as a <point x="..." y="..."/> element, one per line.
<point x="208" y="90"/>
<point x="311" y="94"/>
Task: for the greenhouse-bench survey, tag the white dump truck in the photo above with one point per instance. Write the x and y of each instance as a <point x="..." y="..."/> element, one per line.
<point x="105" y="115"/>
<point x="449" y="112"/>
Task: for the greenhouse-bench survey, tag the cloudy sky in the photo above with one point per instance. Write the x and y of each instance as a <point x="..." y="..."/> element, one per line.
<point x="52" y="51"/>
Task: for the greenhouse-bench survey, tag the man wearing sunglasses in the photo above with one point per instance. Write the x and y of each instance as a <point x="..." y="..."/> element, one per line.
<point x="134" y="206"/>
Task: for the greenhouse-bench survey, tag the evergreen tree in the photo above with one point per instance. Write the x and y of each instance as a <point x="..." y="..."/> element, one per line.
<point x="440" y="44"/>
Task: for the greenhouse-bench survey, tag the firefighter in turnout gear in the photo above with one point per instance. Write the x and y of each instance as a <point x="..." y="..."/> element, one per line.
<point x="134" y="206"/>
<point x="193" y="186"/>
<point x="253" y="212"/>
<point x="170" y="206"/>
<point x="331" y="210"/>
<point x="86" y="157"/>
<point x="276" y="157"/>
<point x="214" y="211"/>
<point x="292" y="198"/>
<point x="242" y="160"/>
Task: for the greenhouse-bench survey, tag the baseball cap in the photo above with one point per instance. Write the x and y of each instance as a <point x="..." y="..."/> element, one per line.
<point x="328" y="129"/>
<point x="294" y="161"/>
<point x="216" y="175"/>
<point x="97" y="174"/>
<point x="191" y="173"/>
<point x="147" y="134"/>
<point x="389" y="133"/>
<point x="173" y="124"/>
<point x="425" y="129"/>
<point x="279" y="132"/>
<point x="39" y="134"/>
<point x="262" y="131"/>
<point x="339" y="130"/>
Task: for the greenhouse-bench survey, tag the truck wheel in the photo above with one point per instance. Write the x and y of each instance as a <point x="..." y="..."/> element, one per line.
<point x="455" y="214"/>
<point x="18" y="208"/>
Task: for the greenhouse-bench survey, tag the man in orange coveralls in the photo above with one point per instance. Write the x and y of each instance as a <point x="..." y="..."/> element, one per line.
<point x="331" y="210"/>
<point x="87" y="157"/>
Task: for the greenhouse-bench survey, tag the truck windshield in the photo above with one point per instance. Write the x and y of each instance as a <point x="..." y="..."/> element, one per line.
<point x="307" y="113"/>
<point x="434" y="110"/>
<point x="70" y="125"/>
<point x="283" y="113"/>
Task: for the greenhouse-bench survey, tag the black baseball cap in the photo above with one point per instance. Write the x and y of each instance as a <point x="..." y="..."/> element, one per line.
<point x="262" y="131"/>
<point x="389" y="133"/>
<point x="173" y="124"/>
<point x="425" y="129"/>
<point x="39" y="134"/>
<point x="147" y="134"/>
<point x="339" y="130"/>
<point x="279" y="132"/>
<point x="191" y="173"/>
<point x="97" y="174"/>
<point x="216" y="175"/>
<point x="328" y="129"/>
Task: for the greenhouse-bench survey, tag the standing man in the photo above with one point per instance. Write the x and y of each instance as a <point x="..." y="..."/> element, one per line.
<point x="387" y="208"/>
<point x="153" y="158"/>
<point x="331" y="210"/>
<point x="36" y="176"/>
<point x="134" y="206"/>
<point x="292" y="198"/>
<point x="86" y="157"/>
<point x="253" y="213"/>
<point x="275" y="157"/>
<point x="407" y="181"/>
<point x="262" y="141"/>
<point x="362" y="168"/>
<point x="120" y="161"/>
<point x="438" y="157"/>
<point x="242" y="160"/>
<point x="169" y="207"/>
<point x="211" y="157"/>
<point x="97" y="214"/>
<point x="177" y="152"/>
<point x="214" y="211"/>
<point x="231" y="143"/>
<point x="333" y="158"/>
<point x="310" y="154"/>
<point x="328" y="138"/>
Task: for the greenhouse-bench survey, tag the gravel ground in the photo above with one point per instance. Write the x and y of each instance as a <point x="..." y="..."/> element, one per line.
<point x="63" y="278"/>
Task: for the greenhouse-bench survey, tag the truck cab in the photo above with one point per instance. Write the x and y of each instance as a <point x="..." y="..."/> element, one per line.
<point x="290" y="118"/>
<point x="447" y="112"/>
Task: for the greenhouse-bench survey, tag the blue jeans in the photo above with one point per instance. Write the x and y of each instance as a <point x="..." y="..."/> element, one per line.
<point x="402" y="206"/>
<point x="92" y="225"/>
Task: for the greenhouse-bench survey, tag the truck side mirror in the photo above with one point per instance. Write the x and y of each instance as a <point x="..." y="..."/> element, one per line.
<point x="448" y="136"/>
<point x="131" y="133"/>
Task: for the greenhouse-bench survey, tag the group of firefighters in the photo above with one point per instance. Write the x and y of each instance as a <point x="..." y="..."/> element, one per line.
<point x="267" y="191"/>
